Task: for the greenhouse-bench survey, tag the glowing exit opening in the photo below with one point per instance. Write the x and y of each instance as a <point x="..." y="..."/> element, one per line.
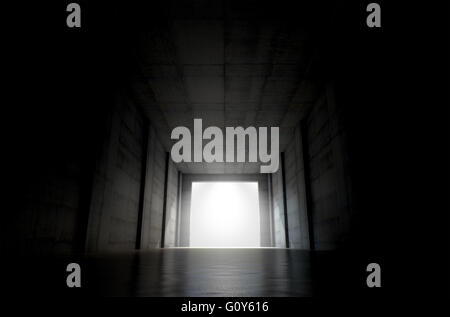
<point x="225" y="215"/>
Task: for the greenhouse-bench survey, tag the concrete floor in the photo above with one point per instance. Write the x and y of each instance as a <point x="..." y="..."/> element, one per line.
<point x="190" y="272"/>
<point x="201" y="272"/>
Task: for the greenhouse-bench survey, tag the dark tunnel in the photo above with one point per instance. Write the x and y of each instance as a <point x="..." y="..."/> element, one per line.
<point x="92" y="179"/>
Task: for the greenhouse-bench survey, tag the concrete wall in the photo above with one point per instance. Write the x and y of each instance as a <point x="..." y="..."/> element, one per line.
<point x="318" y="187"/>
<point x="154" y="193"/>
<point x="278" y="209"/>
<point x="328" y="172"/>
<point x="113" y="216"/>
<point x="129" y="179"/>
<point x="185" y="211"/>
<point x="89" y="187"/>
<point x="171" y="205"/>
<point x="297" y="212"/>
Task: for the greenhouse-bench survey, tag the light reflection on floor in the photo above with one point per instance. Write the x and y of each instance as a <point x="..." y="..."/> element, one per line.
<point x="201" y="272"/>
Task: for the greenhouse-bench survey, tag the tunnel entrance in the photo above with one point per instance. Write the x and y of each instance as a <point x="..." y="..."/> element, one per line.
<point x="225" y="215"/>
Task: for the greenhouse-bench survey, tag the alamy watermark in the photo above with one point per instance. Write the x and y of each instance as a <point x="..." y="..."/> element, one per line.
<point x="213" y="151"/>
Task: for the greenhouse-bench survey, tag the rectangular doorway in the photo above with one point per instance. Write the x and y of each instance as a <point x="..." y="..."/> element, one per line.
<point x="224" y="215"/>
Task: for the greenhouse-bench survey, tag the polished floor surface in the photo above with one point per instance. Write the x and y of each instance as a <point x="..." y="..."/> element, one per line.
<point x="186" y="272"/>
<point x="202" y="272"/>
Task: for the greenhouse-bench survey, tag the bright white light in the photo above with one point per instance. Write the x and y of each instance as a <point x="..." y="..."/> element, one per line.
<point x="224" y="214"/>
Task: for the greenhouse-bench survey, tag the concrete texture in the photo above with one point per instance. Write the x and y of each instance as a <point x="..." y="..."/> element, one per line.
<point x="279" y="228"/>
<point x="230" y="69"/>
<point x="116" y="187"/>
<point x="318" y="187"/>
<point x="171" y="206"/>
<point x="331" y="204"/>
<point x="230" y="66"/>
<point x="363" y="132"/>
<point x="153" y="194"/>
<point x="114" y="209"/>
<point x="297" y="211"/>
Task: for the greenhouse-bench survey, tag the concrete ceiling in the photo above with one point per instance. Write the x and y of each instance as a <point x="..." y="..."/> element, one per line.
<point x="228" y="67"/>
